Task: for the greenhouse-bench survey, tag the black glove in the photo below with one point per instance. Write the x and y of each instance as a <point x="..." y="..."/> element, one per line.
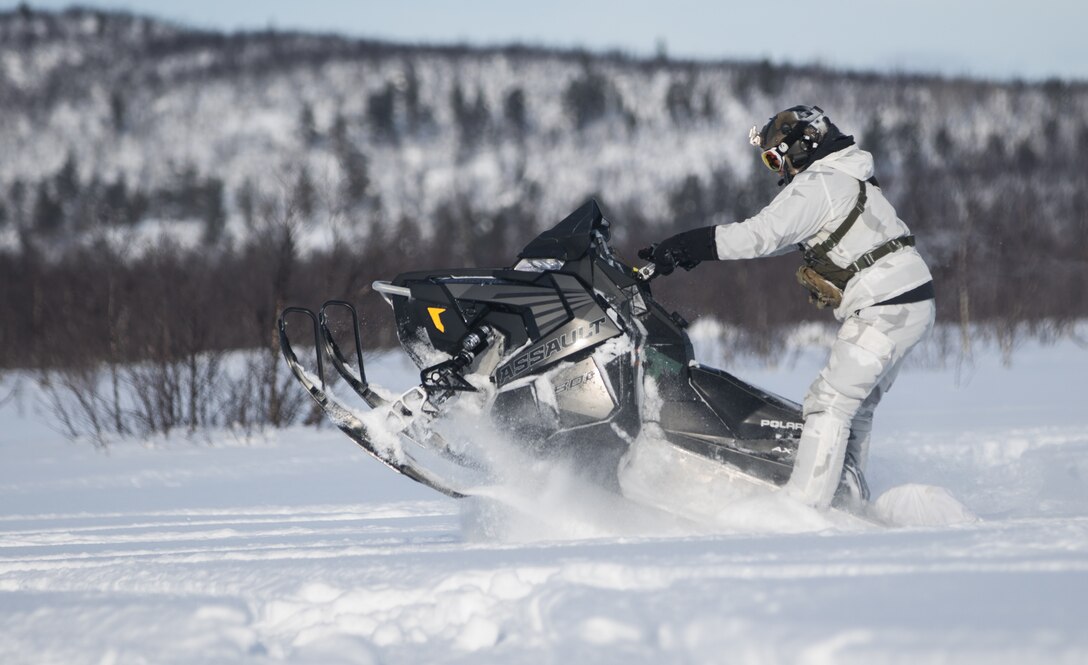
<point x="685" y="250"/>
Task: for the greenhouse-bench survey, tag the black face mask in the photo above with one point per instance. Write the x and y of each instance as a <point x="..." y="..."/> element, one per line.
<point x="834" y="141"/>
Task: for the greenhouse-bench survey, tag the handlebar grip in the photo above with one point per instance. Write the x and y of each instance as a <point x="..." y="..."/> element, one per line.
<point x="646" y="272"/>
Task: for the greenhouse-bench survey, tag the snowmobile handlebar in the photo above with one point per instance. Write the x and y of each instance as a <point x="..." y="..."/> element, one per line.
<point x="646" y="273"/>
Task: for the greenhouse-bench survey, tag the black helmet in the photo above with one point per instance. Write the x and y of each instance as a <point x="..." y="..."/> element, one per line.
<point x="791" y="137"/>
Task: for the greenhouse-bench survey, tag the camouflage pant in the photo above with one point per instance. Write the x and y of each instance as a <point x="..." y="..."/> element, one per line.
<point x="838" y="408"/>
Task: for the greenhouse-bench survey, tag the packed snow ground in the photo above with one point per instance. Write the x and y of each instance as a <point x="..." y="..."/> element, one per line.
<point x="299" y="548"/>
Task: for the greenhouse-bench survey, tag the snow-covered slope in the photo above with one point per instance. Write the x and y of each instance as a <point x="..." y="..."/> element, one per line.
<point x="129" y="97"/>
<point x="298" y="548"/>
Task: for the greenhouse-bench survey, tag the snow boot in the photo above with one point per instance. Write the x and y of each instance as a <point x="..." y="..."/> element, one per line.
<point x="852" y="493"/>
<point x="819" y="462"/>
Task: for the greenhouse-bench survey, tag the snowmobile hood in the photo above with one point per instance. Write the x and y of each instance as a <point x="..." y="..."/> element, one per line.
<point x="852" y="160"/>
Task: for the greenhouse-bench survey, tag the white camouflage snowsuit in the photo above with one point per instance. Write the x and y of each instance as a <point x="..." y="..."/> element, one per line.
<point x="873" y="339"/>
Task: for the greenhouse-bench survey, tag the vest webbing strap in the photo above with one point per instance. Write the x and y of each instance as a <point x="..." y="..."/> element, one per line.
<point x="880" y="252"/>
<point x="818" y="259"/>
<point x="837" y="235"/>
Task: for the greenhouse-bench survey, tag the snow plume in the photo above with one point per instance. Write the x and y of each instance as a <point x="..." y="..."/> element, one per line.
<point x="666" y="491"/>
<point x="554" y="503"/>
<point x="535" y="496"/>
<point x="718" y="500"/>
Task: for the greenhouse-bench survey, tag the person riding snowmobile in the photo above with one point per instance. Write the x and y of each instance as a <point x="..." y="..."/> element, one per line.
<point x="859" y="257"/>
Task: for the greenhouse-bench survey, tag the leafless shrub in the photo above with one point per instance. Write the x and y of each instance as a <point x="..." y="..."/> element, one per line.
<point x="80" y="407"/>
<point x="180" y="393"/>
<point x="7" y="392"/>
<point x="263" y="394"/>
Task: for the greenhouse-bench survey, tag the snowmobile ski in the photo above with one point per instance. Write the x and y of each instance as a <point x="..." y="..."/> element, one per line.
<point x="342" y="416"/>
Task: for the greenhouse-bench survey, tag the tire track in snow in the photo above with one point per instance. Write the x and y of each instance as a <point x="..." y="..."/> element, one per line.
<point x="81" y="543"/>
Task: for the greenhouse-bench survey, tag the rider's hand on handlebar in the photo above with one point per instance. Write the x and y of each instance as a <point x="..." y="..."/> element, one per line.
<point x="685" y="250"/>
<point x="666" y="259"/>
<point x="663" y="261"/>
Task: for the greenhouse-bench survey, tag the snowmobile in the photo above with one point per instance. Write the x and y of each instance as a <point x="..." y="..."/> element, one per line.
<point x="567" y="353"/>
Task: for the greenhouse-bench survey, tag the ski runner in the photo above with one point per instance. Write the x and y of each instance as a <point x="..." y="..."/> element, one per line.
<point x="859" y="258"/>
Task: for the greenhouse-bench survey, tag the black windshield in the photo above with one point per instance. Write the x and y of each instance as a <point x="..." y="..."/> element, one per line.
<point x="570" y="239"/>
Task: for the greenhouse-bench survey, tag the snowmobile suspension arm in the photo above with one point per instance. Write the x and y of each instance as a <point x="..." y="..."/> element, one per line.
<point x="444" y="378"/>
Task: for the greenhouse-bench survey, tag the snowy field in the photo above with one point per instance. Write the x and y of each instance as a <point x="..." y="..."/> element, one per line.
<point x="298" y="548"/>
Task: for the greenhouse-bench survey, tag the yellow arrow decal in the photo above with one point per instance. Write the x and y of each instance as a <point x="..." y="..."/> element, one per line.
<point x="435" y="313"/>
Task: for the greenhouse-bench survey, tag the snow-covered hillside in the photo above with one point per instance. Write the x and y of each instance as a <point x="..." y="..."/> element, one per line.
<point x="298" y="548"/>
<point x="366" y="158"/>
<point x="129" y="98"/>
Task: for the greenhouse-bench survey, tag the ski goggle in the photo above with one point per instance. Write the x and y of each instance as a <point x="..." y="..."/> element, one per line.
<point x="773" y="159"/>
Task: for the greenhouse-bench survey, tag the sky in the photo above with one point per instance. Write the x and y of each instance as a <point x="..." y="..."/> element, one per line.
<point x="1000" y="39"/>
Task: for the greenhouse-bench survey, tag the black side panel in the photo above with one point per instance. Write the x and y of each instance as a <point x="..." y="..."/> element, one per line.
<point x="749" y="412"/>
<point x="432" y="309"/>
<point x="569" y="340"/>
<point x="545" y="305"/>
<point x="621" y="378"/>
<point x="774" y="467"/>
<point x="447" y="304"/>
<point x="722" y="418"/>
<point x="615" y="278"/>
<point x="694" y="417"/>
